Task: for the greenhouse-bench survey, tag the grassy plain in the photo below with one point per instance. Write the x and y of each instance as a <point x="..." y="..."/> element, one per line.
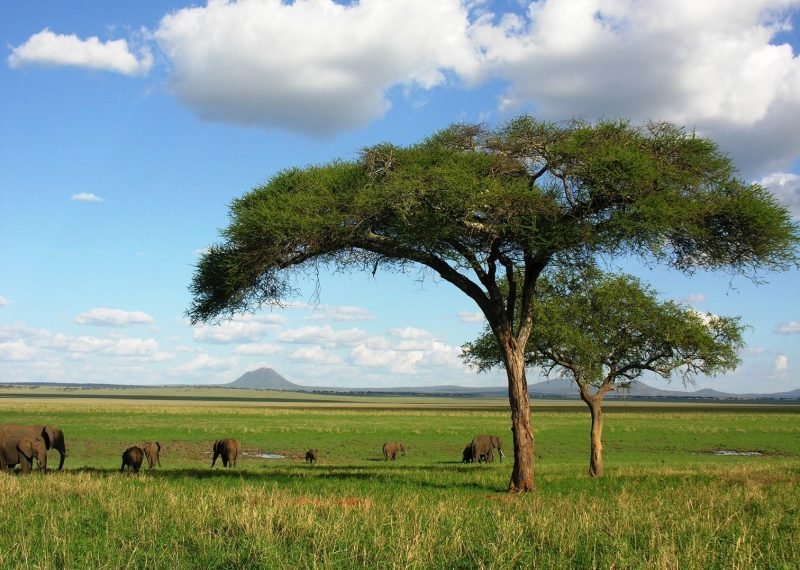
<point x="664" y="503"/>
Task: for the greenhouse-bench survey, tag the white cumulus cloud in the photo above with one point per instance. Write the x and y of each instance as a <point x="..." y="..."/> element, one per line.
<point x="408" y="356"/>
<point x="469" y="317"/>
<point x="262" y="349"/>
<point x="132" y="347"/>
<point x="314" y="354"/>
<point x="48" y="48"/>
<point x="410" y="333"/>
<point x="781" y="363"/>
<point x="113" y="318"/>
<point x="324" y="335"/>
<point x="694" y="298"/>
<point x="341" y="313"/>
<point x="711" y="65"/>
<point x="786" y="187"/>
<point x="240" y="329"/>
<point x="792" y="327"/>
<point x="3" y="301"/>
<point x="398" y="362"/>
<point x="206" y="363"/>
<point x="16" y="351"/>
<point x="80" y="346"/>
<point x="86" y="197"/>
<point x="315" y="66"/>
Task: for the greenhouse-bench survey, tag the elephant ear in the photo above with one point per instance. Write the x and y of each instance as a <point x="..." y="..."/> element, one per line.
<point x="49" y="435"/>
<point x="496" y="442"/>
<point x="158" y="445"/>
<point x="25" y="447"/>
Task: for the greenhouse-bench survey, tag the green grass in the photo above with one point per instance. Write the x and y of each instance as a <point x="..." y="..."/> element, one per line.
<point x="664" y="503"/>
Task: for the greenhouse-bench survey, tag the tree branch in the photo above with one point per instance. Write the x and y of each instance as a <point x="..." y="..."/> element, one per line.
<point x="389" y="248"/>
<point x="534" y="177"/>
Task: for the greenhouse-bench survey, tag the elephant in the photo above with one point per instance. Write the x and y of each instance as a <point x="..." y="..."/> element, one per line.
<point x="52" y="436"/>
<point x="312" y="456"/>
<point x="132" y="459"/>
<point x="466" y="456"/>
<point x="23" y="451"/>
<point x="391" y="449"/>
<point x="229" y="450"/>
<point x="152" y="451"/>
<point x="483" y="445"/>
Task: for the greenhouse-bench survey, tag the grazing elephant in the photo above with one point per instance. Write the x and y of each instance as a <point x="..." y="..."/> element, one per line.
<point x="22" y="452"/>
<point x="312" y="455"/>
<point x="391" y="449"/>
<point x="132" y="459"/>
<point x="229" y="450"/>
<point x="483" y="445"/>
<point x="152" y="451"/>
<point x="466" y="456"/>
<point x="52" y="436"/>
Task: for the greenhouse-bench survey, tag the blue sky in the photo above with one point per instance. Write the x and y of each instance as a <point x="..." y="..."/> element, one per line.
<point x="127" y="128"/>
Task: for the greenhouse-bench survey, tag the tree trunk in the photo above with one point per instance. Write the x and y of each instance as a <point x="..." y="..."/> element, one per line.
<point x="596" y="436"/>
<point x="522" y="475"/>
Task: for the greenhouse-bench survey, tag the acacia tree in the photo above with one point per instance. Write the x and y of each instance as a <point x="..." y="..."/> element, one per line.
<point x="604" y="331"/>
<point x="485" y="208"/>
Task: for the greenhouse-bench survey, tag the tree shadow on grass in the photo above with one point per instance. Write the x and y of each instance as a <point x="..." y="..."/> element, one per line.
<point x="302" y="474"/>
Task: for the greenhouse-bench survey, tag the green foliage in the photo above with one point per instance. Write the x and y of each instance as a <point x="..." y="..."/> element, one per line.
<point x="599" y="328"/>
<point x="496" y="202"/>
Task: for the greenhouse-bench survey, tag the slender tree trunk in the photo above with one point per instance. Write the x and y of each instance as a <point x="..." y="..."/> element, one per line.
<point x="522" y="475"/>
<point x="596" y="449"/>
<point x="595" y="403"/>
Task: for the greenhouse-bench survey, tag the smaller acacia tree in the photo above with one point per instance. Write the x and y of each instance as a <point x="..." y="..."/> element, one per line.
<point x="603" y="331"/>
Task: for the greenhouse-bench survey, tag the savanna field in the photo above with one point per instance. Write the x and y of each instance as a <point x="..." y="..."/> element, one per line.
<point x="665" y="502"/>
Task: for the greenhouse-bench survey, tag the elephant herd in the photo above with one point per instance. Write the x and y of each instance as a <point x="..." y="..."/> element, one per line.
<point x="20" y="445"/>
<point x="228" y="450"/>
<point x="133" y="457"/>
<point x="481" y="449"/>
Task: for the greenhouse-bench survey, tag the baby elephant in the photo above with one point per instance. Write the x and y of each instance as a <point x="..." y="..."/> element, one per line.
<point x="152" y="450"/>
<point x="22" y="452"/>
<point x="228" y="449"/>
<point x="132" y="459"/>
<point x="391" y="449"/>
<point x="312" y="455"/>
<point x="466" y="456"/>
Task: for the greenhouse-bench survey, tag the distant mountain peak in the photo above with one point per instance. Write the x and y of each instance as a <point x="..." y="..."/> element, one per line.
<point x="263" y="379"/>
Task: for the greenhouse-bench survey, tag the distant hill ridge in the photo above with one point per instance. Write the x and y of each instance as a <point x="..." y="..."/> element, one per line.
<point x="264" y="379"/>
<point x="269" y="379"/>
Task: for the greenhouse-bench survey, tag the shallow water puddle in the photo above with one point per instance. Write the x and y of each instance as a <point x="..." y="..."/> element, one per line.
<point x="733" y="452"/>
<point x="266" y="455"/>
